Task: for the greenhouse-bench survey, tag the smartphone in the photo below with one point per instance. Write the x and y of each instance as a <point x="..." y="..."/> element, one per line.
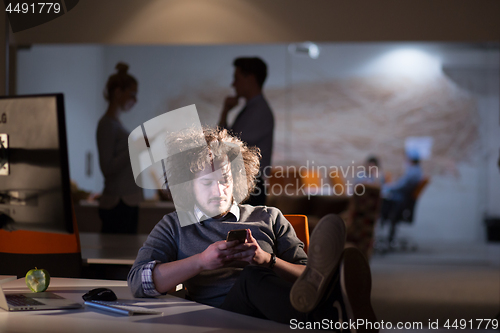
<point x="240" y="235"/>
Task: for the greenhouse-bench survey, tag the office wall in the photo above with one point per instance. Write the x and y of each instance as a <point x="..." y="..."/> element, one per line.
<point x="463" y="188"/>
<point x="78" y="72"/>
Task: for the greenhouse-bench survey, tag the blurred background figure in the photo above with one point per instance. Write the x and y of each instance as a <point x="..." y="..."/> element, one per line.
<point x="372" y="173"/>
<point x="396" y="194"/>
<point x="119" y="203"/>
<point x="255" y="123"/>
<point x="498" y="161"/>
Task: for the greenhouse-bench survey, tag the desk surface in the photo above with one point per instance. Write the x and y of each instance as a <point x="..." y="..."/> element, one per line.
<point x="149" y="214"/>
<point x="109" y="248"/>
<point x="179" y="315"/>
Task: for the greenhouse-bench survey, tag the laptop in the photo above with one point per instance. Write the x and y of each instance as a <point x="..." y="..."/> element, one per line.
<point x="35" y="301"/>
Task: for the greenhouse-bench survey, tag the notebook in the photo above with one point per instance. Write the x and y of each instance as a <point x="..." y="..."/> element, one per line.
<point x="35" y="301"/>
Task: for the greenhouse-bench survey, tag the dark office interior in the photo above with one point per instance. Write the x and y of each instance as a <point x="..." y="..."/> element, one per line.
<point x="347" y="80"/>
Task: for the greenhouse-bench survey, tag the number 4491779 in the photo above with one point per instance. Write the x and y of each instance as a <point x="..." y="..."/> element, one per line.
<point x="472" y="324"/>
<point x="34" y="8"/>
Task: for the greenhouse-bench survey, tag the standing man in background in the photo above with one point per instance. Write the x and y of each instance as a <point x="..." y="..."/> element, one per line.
<point x="255" y="123"/>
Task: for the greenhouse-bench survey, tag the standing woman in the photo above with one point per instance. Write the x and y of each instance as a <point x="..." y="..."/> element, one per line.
<point x="119" y="203"/>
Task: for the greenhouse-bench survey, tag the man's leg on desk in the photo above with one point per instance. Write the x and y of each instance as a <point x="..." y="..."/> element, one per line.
<point x="336" y="293"/>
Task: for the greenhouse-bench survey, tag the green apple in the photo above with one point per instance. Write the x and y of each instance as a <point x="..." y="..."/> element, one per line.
<point x="38" y="280"/>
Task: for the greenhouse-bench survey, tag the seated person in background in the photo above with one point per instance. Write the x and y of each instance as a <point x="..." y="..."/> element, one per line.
<point x="396" y="194"/>
<point x="265" y="276"/>
<point x="372" y="173"/>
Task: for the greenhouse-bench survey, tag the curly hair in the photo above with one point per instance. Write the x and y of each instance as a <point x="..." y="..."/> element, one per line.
<point x="191" y="151"/>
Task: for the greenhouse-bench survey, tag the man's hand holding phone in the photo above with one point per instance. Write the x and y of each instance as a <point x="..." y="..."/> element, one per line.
<point x="217" y="254"/>
<point x="247" y="249"/>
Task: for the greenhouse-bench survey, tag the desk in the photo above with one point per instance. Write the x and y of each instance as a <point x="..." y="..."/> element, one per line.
<point x="150" y="213"/>
<point x="109" y="256"/>
<point x="7" y="278"/>
<point x="179" y="315"/>
<point x="114" y="249"/>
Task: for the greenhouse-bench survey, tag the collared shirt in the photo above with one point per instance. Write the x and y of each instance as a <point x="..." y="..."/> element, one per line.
<point x="200" y="216"/>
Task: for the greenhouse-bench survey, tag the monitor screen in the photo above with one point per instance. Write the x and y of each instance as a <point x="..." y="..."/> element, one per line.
<point x="34" y="173"/>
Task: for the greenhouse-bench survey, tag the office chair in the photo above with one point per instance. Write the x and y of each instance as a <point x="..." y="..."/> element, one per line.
<point x="59" y="254"/>
<point x="401" y="213"/>
<point x="301" y="227"/>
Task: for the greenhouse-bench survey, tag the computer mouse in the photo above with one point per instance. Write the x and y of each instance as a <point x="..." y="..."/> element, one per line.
<point x="100" y="294"/>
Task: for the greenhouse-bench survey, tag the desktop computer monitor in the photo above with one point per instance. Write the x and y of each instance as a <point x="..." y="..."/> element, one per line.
<point x="34" y="173"/>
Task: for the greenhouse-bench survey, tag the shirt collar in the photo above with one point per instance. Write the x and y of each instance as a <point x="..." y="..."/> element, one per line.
<point x="200" y="216"/>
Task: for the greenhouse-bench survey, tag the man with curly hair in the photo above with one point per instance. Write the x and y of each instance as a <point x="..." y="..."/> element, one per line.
<point x="269" y="274"/>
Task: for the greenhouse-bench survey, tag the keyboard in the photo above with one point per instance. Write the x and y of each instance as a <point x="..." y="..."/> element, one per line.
<point x="21" y="300"/>
<point x="121" y="308"/>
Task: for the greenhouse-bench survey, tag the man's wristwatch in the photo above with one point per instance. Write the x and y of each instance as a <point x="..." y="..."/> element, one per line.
<point x="272" y="262"/>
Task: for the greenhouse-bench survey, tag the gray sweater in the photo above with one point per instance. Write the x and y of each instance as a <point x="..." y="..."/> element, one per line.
<point x="168" y="241"/>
